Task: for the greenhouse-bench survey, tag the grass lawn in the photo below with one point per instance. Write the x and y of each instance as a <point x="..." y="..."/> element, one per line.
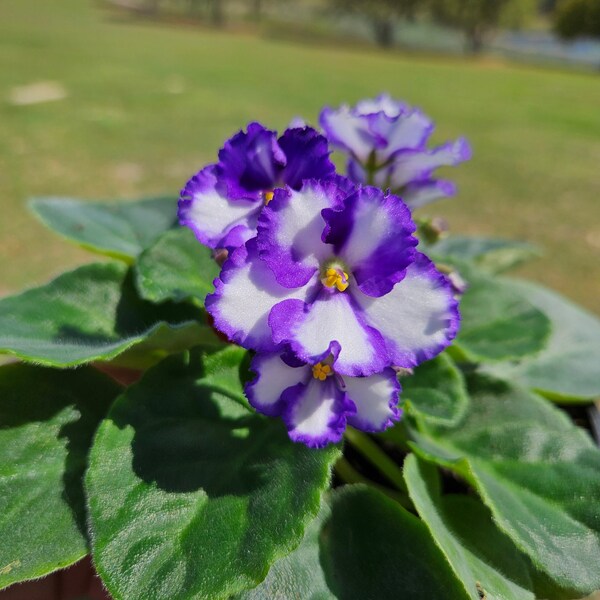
<point x="149" y="105"/>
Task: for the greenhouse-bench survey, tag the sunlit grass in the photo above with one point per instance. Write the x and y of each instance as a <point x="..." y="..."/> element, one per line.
<point x="147" y="105"/>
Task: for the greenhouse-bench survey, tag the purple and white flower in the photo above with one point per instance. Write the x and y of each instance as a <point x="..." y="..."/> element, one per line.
<point x="316" y="402"/>
<point x="222" y="202"/>
<point x="333" y="264"/>
<point x="387" y="145"/>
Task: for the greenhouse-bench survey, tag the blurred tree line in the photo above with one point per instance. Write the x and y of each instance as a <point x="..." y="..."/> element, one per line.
<point x="381" y="14"/>
<point x="213" y="10"/>
<point x="476" y="19"/>
<point x="577" y="18"/>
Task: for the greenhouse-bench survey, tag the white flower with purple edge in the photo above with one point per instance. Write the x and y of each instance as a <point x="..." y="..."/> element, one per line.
<point x="316" y="403"/>
<point x="387" y="145"/>
<point x="336" y="264"/>
<point x="221" y="203"/>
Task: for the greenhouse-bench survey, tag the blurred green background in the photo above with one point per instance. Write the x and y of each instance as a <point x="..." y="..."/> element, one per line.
<point x="141" y="105"/>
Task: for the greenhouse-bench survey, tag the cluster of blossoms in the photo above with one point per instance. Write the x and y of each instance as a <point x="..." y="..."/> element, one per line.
<point x="323" y="278"/>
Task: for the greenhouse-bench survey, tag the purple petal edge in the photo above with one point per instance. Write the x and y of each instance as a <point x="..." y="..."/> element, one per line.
<point x="336" y="426"/>
<point x="453" y="319"/>
<point x="307" y="156"/>
<point x="250" y="162"/>
<point x="393" y="404"/>
<point x="236" y="259"/>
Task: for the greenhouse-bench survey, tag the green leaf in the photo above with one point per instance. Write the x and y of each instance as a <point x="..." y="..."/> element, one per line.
<point x="497" y="321"/>
<point x="47" y="421"/>
<point x="436" y="390"/>
<point x="483" y="558"/>
<point x="373" y="548"/>
<point x="365" y="546"/>
<point x="567" y="370"/>
<point x="226" y="372"/>
<point x="299" y="575"/>
<point x="488" y="254"/>
<point x="118" y="229"/>
<point x="537" y="472"/>
<point x="190" y="494"/>
<point x="177" y="267"/>
<point x="94" y="313"/>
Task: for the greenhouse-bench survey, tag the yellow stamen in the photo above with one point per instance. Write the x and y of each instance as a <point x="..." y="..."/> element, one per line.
<point x="321" y="371"/>
<point x="268" y="197"/>
<point x="337" y="278"/>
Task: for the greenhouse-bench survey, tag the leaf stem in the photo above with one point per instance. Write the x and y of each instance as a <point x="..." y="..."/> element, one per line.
<point x="377" y="457"/>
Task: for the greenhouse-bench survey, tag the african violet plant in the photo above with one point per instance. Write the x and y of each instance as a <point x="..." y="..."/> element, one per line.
<point x="329" y="398"/>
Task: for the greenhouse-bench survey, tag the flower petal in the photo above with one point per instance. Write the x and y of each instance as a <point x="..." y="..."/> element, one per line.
<point x="416" y="165"/>
<point x="409" y="130"/>
<point x="244" y="295"/>
<point x="373" y="236"/>
<point x="332" y="316"/>
<point x="418" y="318"/>
<point x="297" y="122"/>
<point x="307" y="156"/>
<point x="423" y="192"/>
<point x="315" y="414"/>
<point x="217" y="221"/>
<point x="251" y="162"/>
<point x="290" y="231"/>
<point x="383" y="103"/>
<point x="376" y="400"/>
<point x="273" y="377"/>
<point x="381" y="125"/>
<point x="356" y="172"/>
<point x="350" y="131"/>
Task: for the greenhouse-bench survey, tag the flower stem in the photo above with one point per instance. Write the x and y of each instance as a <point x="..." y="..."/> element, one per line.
<point x="370" y="168"/>
<point x="377" y="457"/>
<point x="348" y="474"/>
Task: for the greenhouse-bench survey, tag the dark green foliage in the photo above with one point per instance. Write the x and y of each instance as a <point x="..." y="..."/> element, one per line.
<point x="373" y="548"/>
<point x="567" y="368"/>
<point x="118" y="229"/>
<point x="191" y="495"/>
<point x="299" y="575"/>
<point x="537" y="472"/>
<point x="361" y="545"/>
<point x="489" y="254"/>
<point x="476" y="18"/>
<point x="94" y="313"/>
<point x="436" y="390"/>
<point x="176" y="268"/>
<point x="382" y="14"/>
<point x="498" y="321"/>
<point x="577" y="18"/>
<point x="482" y="557"/>
<point x="47" y="421"/>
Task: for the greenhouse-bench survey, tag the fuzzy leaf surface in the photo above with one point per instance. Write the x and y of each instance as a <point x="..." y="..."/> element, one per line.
<point x="436" y="390"/>
<point x="177" y="267"/>
<point x="483" y="558"/>
<point x="489" y="254"/>
<point x="47" y="421"/>
<point x="117" y="229"/>
<point x="373" y="548"/>
<point x="94" y="313"/>
<point x="568" y="369"/>
<point x="190" y="494"/>
<point x="537" y="472"/>
<point x="497" y="321"/>
<point x="300" y="574"/>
